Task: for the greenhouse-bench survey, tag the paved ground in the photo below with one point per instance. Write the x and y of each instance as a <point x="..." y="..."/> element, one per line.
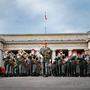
<point x="45" y="83"/>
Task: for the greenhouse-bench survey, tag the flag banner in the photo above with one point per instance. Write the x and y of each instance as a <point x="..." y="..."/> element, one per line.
<point x="45" y="16"/>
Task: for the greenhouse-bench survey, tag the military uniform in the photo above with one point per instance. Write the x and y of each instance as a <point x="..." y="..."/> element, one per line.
<point x="34" y="65"/>
<point x="73" y="65"/>
<point x="58" y="61"/>
<point x="67" y="68"/>
<point x="46" y="53"/>
<point x="83" y="66"/>
<point x="46" y="66"/>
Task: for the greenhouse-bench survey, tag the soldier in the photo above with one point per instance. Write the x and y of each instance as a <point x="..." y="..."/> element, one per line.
<point x="33" y="65"/>
<point x="87" y="59"/>
<point x="83" y="65"/>
<point x="57" y="66"/>
<point x="27" y="60"/>
<point x="6" y="61"/>
<point x="13" y="64"/>
<point x="50" y="67"/>
<point x="47" y="54"/>
<point x="67" y="67"/>
<point x="30" y="63"/>
<point x="74" y="59"/>
<point x="19" y="58"/>
<point x="68" y="64"/>
<point x="38" y="66"/>
<point x="61" y="64"/>
<point x="9" y="63"/>
<point x="40" y="63"/>
<point x="24" y="63"/>
<point x="58" y="61"/>
<point x="54" y="70"/>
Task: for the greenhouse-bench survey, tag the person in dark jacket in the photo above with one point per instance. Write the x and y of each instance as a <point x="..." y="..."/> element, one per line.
<point x="83" y="65"/>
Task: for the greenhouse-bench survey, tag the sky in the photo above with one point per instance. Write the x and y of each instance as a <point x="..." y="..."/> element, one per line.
<point x="27" y="16"/>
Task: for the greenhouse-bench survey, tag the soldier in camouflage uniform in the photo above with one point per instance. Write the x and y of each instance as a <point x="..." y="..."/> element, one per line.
<point x="47" y="54"/>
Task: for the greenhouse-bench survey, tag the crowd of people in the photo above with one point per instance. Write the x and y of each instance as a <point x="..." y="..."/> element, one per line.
<point x="73" y="65"/>
<point x="33" y="64"/>
<point x="22" y="63"/>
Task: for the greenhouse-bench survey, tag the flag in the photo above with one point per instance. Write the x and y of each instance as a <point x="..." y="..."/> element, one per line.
<point x="45" y="16"/>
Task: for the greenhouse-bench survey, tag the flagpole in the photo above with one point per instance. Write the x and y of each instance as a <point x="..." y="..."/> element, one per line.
<point x="45" y="27"/>
<point x="45" y="17"/>
<point x="45" y="22"/>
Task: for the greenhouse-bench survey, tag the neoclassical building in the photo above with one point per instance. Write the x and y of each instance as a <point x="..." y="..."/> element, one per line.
<point x="66" y="42"/>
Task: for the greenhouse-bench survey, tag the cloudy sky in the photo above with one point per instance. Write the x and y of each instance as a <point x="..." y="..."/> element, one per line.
<point x="27" y="16"/>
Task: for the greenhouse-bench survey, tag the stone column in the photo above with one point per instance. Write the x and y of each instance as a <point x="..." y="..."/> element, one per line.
<point x="89" y="47"/>
<point x="53" y="55"/>
<point x="1" y="52"/>
<point x="69" y="52"/>
<point x="1" y="57"/>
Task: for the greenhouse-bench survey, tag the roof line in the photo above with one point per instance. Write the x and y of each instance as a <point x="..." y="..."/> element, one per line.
<point x="44" y="34"/>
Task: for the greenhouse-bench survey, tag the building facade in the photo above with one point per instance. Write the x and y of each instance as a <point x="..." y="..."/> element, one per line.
<point x="56" y="42"/>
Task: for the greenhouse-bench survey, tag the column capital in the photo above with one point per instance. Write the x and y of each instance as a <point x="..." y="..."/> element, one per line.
<point x="2" y="40"/>
<point x="1" y="46"/>
<point x="1" y="58"/>
<point x="70" y="49"/>
<point x="89" y="45"/>
<point x="53" y="49"/>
